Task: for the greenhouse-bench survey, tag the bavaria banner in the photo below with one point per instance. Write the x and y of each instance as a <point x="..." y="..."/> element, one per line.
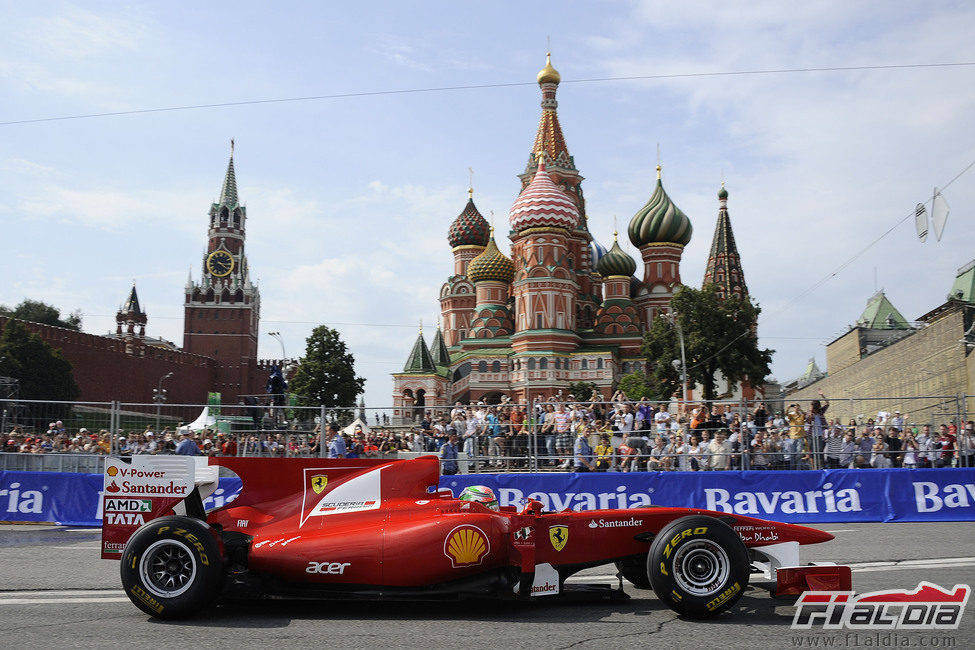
<point x="794" y="497"/>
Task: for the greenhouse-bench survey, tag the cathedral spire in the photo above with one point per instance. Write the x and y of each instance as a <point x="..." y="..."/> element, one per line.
<point x="724" y="264"/>
<point x="420" y="360"/>
<point x="228" y="193"/>
<point x="550" y="141"/>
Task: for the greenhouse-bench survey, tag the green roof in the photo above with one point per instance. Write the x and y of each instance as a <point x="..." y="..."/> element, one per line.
<point x="420" y="360"/>
<point x="881" y="314"/>
<point x="438" y="350"/>
<point x="964" y="286"/>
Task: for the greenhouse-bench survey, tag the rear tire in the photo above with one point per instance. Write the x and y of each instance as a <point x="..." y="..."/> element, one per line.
<point x="172" y="567"/>
<point x="698" y="566"/>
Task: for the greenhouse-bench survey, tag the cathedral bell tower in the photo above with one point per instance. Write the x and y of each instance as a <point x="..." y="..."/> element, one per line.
<point x="222" y="311"/>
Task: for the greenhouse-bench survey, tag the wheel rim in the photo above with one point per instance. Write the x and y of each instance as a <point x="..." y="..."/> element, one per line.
<point x="167" y="568"/>
<point x="701" y="567"/>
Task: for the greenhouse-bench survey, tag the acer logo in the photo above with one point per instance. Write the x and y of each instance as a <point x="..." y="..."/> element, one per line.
<point x="328" y="568"/>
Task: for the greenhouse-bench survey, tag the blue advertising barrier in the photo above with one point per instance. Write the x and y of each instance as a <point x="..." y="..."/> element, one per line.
<point x="797" y="497"/>
<point x="72" y="499"/>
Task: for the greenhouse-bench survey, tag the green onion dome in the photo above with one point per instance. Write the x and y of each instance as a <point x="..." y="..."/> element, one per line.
<point x="616" y="262"/>
<point x="722" y="193"/>
<point x="491" y="264"/>
<point x="660" y="221"/>
<point x="470" y="228"/>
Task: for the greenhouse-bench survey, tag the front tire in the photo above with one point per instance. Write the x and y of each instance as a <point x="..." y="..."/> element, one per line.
<point x="172" y="567"/>
<point x="698" y="566"/>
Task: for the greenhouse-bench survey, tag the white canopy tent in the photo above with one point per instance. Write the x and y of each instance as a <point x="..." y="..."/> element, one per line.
<point x="356" y="423"/>
<point x="203" y="422"/>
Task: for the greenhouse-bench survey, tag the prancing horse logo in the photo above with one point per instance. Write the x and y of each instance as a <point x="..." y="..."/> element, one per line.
<point x="558" y="535"/>
<point x="318" y="483"/>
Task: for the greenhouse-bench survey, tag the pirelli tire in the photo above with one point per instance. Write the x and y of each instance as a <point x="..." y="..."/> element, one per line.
<point x="698" y="566"/>
<point x="172" y="567"/>
<point x="634" y="569"/>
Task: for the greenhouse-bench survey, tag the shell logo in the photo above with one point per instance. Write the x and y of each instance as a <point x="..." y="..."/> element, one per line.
<point x="466" y="546"/>
<point x="112" y="470"/>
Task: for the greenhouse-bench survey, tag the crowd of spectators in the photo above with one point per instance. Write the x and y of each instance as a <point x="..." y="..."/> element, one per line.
<point x="207" y="442"/>
<point x="637" y="435"/>
<point x="563" y="433"/>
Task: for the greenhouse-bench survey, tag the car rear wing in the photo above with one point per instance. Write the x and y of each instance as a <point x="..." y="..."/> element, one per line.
<point x="142" y="488"/>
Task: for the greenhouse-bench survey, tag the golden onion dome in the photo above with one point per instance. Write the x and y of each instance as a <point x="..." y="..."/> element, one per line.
<point x="491" y="264"/>
<point x="548" y="74"/>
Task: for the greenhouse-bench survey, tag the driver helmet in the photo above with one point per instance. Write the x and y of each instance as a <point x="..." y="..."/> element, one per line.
<point x="481" y="494"/>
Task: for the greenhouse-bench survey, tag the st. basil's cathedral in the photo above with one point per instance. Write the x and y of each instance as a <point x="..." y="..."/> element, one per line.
<point x="562" y="309"/>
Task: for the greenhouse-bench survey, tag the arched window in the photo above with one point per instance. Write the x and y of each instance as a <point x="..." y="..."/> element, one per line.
<point x="482" y="366"/>
<point x="585" y="364"/>
<point x="496" y="366"/>
<point x="626" y="367"/>
<point x="599" y="363"/>
<point x="543" y="364"/>
<point x="236" y="217"/>
<point x="558" y="364"/>
<point x="224" y="213"/>
<point x="531" y="364"/>
<point x="637" y="367"/>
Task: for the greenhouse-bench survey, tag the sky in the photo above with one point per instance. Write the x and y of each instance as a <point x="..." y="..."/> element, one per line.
<point x="349" y="199"/>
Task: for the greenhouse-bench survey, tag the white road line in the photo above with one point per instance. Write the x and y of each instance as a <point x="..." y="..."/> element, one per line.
<point x="50" y="601"/>
<point x="857" y="567"/>
<point x="842" y="530"/>
<point x="80" y="548"/>
<point x="66" y="592"/>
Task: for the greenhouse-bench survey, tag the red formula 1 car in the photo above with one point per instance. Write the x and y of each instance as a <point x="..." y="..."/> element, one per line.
<point x="312" y="528"/>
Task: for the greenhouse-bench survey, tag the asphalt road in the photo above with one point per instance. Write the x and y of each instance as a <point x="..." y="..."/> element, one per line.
<point x="55" y="592"/>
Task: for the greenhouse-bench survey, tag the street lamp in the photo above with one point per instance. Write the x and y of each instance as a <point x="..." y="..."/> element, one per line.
<point x="159" y="396"/>
<point x="675" y="321"/>
<point x="280" y="340"/>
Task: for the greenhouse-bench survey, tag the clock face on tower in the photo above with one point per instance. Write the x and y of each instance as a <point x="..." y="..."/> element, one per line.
<point x="220" y="263"/>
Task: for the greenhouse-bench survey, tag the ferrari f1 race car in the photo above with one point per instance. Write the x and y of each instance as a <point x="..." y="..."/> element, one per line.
<point x="372" y="529"/>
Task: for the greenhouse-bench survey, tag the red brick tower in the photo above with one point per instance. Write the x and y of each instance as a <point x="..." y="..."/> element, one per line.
<point x="468" y="236"/>
<point x="561" y="168"/>
<point x="222" y="311"/>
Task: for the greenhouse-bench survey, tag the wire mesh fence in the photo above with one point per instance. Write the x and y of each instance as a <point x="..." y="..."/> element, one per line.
<point x="547" y="435"/>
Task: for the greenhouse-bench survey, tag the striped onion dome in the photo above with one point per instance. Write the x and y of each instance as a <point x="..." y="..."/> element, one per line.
<point x="660" y="221"/>
<point x="491" y="264"/>
<point x="470" y="228"/>
<point x="542" y="203"/>
<point x="596" y="251"/>
<point x="616" y="262"/>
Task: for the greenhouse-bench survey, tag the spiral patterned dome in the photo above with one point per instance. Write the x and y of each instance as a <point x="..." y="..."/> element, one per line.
<point x="542" y="203"/>
<point x="660" y="221"/>
<point x="492" y="264"/>
<point x="470" y="228"/>
<point x="616" y="262"/>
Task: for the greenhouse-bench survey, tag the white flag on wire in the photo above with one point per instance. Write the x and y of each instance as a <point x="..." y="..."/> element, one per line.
<point x="939" y="213"/>
<point x="921" y="222"/>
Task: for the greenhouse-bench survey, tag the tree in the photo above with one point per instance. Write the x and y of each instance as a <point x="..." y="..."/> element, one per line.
<point x="636" y="386"/>
<point x="719" y="337"/>
<point x="41" y="371"/>
<point x="36" y="311"/>
<point x="326" y="375"/>
<point x="582" y="390"/>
